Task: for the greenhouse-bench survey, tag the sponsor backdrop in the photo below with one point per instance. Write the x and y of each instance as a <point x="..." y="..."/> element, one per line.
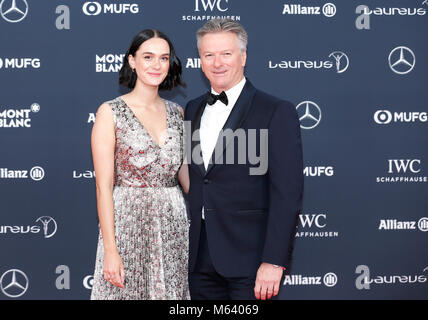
<point x="357" y="73"/>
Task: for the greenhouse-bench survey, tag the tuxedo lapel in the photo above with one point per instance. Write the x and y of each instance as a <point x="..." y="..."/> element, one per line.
<point x="195" y="137"/>
<point x="237" y="116"/>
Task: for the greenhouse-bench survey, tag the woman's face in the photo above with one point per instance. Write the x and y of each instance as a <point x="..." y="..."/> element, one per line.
<point x="151" y="62"/>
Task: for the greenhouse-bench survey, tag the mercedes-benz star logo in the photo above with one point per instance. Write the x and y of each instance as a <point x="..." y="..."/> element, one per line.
<point x="309" y="114"/>
<point x="11" y="12"/>
<point x="338" y="55"/>
<point x="14" y="283"/>
<point x="404" y="60"/>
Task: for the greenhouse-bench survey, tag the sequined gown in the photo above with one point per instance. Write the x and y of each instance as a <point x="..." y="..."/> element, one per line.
<point x="151" y="223"/>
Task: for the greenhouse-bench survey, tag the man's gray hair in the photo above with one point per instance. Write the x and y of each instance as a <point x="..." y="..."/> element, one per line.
<point x="224" y="25"/>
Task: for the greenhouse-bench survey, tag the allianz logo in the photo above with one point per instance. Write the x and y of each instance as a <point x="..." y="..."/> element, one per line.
<point x="83" y="175"/>
<point x="193" y="63"/>
<point x="91" y="117"/>
<point x="365" y="280"/>
<point x="36" y="173"/>
<point x="338" y="61"/>
<point x="108" y="62"/>
<point x="386" y="117"/>
<point x="394" y="224"/>
<point x="392" y="11"/>
<point x="329" y="280"/>
<point x="328" y="10"/>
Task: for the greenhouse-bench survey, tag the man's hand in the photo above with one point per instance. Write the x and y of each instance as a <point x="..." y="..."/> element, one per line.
<point x="267" y="281"/>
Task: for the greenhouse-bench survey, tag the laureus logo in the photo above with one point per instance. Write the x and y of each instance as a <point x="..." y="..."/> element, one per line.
<point x="48" y="226"/>
<point x="365" y="280"/>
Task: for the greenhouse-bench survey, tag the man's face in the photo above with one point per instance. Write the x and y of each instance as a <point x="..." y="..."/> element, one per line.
<point x="221" y="60"/>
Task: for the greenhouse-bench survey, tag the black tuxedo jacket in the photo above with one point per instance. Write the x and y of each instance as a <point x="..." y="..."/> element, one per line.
<point x="249" y="218"/>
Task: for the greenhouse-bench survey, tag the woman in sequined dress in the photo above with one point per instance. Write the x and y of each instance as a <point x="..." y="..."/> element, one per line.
<point x="137" y="149"/>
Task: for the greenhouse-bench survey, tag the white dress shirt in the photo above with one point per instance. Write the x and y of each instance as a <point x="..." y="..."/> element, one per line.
<point x="213" y="120"/>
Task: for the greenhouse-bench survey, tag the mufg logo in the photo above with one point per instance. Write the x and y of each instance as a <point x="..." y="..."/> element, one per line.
<point x="94" y="8"/>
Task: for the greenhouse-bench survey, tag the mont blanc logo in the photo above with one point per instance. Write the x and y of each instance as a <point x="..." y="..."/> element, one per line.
<point x="108" y="62"/>
<point x="329" y="280"/>
<point x="94" y="8"/>
<point x="19" y="63"/>
<point x="339" y="61"/>
<point x="328" y="10"/>
<point x="386" y="117"/>
<point x="403" y="171"/>
<point x="401" y="60"/>
<point x="210" y="9"/>
<point x="36" y="173"/>
<point x="18" y="118"/>
<point x="14" y="283"/>
<point x="13" y="10"/>
<point x="394" y="224"/>
<point x="365" y="280"/>
<point x="47" y="225"/>
<point x="309" y="114"/>
<point x="313" y="226"/>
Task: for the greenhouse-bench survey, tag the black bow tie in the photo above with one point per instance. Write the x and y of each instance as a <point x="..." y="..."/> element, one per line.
<point x="212" y="98"/>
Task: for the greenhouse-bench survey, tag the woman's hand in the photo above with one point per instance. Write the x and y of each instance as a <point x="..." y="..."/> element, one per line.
<point x="114" y="271"/>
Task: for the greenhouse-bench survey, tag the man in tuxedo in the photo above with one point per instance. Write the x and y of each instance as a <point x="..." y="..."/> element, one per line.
<point x="243" y="218"/>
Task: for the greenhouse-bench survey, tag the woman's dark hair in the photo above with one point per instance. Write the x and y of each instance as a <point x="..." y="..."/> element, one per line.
<point x="173" y="79"/>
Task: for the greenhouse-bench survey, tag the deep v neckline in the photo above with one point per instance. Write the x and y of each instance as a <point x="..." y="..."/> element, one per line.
<point x="144" y="128"/>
